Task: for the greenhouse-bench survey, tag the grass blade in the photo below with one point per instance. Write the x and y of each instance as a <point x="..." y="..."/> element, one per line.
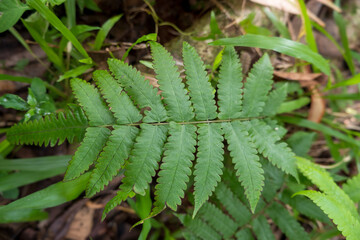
<point x="104" y="31"/>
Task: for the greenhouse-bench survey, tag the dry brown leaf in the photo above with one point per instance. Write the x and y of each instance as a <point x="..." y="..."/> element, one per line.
<point x="80" y="227"/>
<point x="317" y="106"/>
<point x="330" y="4"/>
<point x="290" y="6"/>
<point x="297" y="76"/>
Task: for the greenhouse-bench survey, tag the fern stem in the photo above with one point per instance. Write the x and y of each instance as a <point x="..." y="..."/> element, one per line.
<point x="191" y="122"/>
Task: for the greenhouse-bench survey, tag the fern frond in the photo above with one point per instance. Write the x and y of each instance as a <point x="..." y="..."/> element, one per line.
<point x="90" y="100"/>
<point x="218" y="220"/>
<point x="119" y="102"/>
<point x="139" y="89"/>
<point x="262" y="228"/>
<point x="279" y="154"/>
<point x="232" y="204"/>
<point x="352" y="188"/>
<point x="337" y="211"/>
<point x="112" y="158"/>
<point x="275" y="99"/>
<point x="286" y="222"/>
<point x="115" y="201"/>
<point x="201" y="91"/>
<point x="257" y="86"/>
<point x="244" y="234"/>
<point x="246" y="160"/>
<point x="144" y="159"/>
<point x="199" y="228"/>
<point x="93" y="143"/>
<point x="323" y="180"/>
<point x="230" y="85"/>
<point x="175" y="169"/>
<point x="209" y="163"/>
<point x="52" y="129"/>
<point x="173" y="90"/>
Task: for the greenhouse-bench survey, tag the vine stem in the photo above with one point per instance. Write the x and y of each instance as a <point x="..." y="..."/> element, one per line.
<point x="191" y="122"/>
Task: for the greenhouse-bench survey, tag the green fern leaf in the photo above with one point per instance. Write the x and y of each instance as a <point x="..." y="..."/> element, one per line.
<point x="201" y="92"/>
<point x="262" y="228"/>
<point x="232" y="204"/>
<point x="208" y="168"/>
<point x="244" y="234"/>
<point x="52" y="129"/>
<point x="246" y="160"/>
<point x="275" y="99"/>
<point x="286" y="222"/>
<point x="218" y="220"/>
<point x="337" y="211"/>
<point x="90" y="100"/>
<point x="175" y="169"/>
<point x="113" y="157"/>
<point x="323" y="180"/>
<point x="173" y="90"/>
<point x="279" y="154"/>
<point x="144" y="159"/>
<point x="140" y="90"/>
<point x="115" y="201"/>
<point x="230" y="85"/>
<point x="257" y="86"/>
<point x="199" y="229"/>
<point x="352" y="188"/>
<point x="119" y="102"/>
<point x="87" y="153"/>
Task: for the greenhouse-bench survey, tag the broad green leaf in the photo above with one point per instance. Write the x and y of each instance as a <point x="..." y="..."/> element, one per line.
<point x="10" y="12"/>
<point x="40" y="7"/>
<point x="104" y="31"/>
<point x="51" y="196"/>
<point x="23" y="215"/>
<point x="293" y="105"/>
<point x="75" y="72"/>
<point x="281" y="45"/>
<point x="35" y="164"/>
<point x="13" y="101"/>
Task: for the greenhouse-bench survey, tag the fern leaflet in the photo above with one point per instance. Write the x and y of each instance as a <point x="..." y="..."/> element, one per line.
<point x="53" y="129"/>
<point x="257" y="86"/>
<point x="246" y="160"/>
<point x="265" y="139"/>
<point x="119" y="102"/>
<point x="90" y="100"/>
<point x="230" y="85"/>
<point x="112" y="158"/>
<point x="140" y="90"/>
<point x="176" y="99"/>
<point x="273" y="102"/>
<point x="201" y="92"/>
<point x="208" y="168"/>
<point x="341" y="215"/>
<point x="86" y="154"/>
<point x="175" y="169"/>
<point x="352" y="188"/>
<point x="262" y="229"/>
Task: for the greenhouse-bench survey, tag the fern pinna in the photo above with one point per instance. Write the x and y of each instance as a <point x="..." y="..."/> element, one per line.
<point x="130" y="126"/>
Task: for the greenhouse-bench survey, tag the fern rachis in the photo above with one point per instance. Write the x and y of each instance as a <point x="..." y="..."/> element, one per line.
<point x="165" y="136"/>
